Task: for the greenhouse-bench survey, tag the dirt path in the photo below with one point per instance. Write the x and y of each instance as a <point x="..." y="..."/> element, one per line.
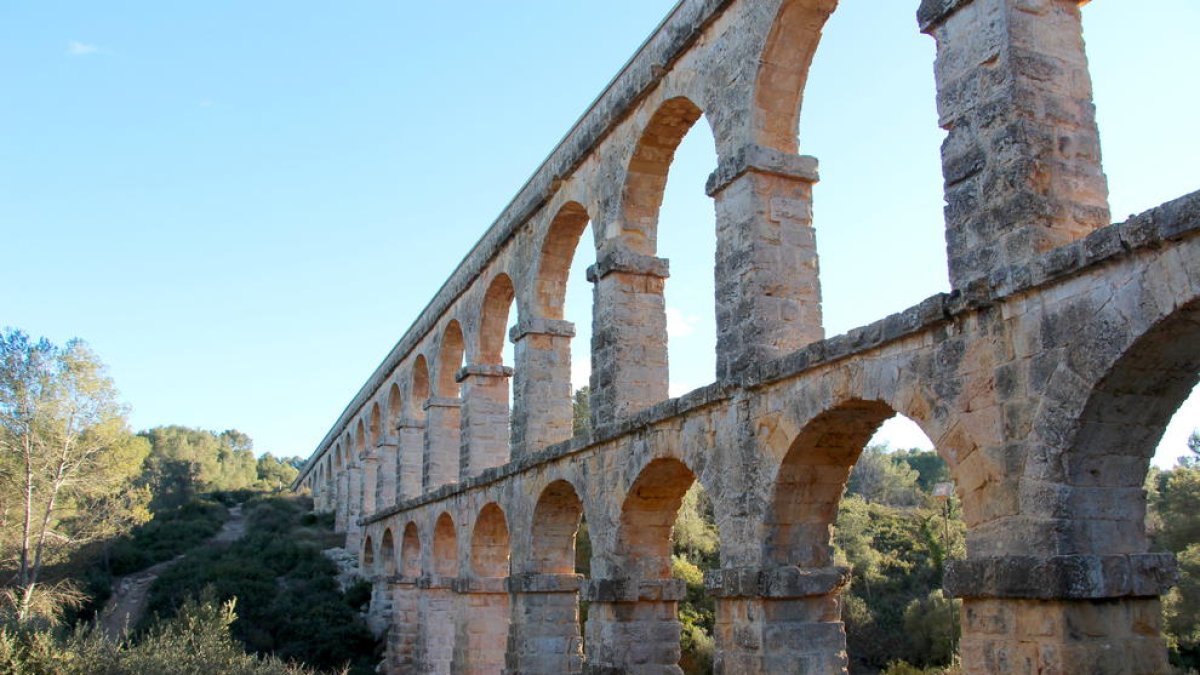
<point x="124" y="609"/>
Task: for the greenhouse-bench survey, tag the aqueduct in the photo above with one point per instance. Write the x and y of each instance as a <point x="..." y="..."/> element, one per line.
<point x="1044" y="378"/>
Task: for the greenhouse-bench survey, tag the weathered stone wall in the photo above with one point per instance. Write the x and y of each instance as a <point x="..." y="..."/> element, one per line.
<point x="1044" y="379"/>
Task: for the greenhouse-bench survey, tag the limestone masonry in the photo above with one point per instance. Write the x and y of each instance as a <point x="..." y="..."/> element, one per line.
<point x="1045" y="378"/>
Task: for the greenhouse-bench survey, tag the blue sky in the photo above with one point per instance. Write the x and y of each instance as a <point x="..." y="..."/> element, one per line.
<point x="242" y="206"/>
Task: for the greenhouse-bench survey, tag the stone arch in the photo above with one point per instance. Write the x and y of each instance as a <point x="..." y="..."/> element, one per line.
<point x="647" y="516"/>
<point x="646" y="176"/>
<point x="395" y="406"/>
<point x="376" y="426"/>
<point x="556" y="519"/>
<point x="410" y="551"/>
<point x="1126" y="411"/>
<point x="419" y="388"/>
<point x="493" y="321"/>
<point x="809" y="484"/>
<point x="360" y="438"/>
<point x="554" y="262"/>
<point x="368" y="555"/>
<point x="449" y="360"/>
<point x="337" y="457"/>
<point x="387" y="554"/>
<point x="783" y="71"/>
<point x="489" y="543"/>
<point x="445" y="547"/>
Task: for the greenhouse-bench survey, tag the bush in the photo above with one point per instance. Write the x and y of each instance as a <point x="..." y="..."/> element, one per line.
<point x="196" y="642"/>
<point x="169" y="534"/>
<point x="290" y="602"/>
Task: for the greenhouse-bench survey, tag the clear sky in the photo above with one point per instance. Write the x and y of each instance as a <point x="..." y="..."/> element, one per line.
<point x="242" y="206"/>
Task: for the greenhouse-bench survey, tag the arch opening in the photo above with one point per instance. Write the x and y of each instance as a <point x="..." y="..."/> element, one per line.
<point x="860" y="240"/>
<point x="489" y="543"/>
<point x="420" y="387"/>
<point x="368" y="554"/>
<point x="562" y="289"/>
<point x="1121" y="427"/>
<point x="410" y="552"/>
<point x="664" y="521"/>
<point x="685" y="233"/>
<point x="890" y="516"/>
<point x="387" y="554"/>
<point x="445" y="547"/>
<point x="451" y="355"/>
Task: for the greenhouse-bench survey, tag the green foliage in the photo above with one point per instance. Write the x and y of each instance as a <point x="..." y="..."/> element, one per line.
<point x="291" y="605"/>
<point x="184" y="462"/>
<point x="170" y="533"/>
<point x="696" y="616"/>
<point x="275" y="474"/>
<point x="930" y="467"/>
<point x="896" y="555"/>
<point x="1179" y="507"/>
<point x="696" y="544"/>
<point x="581" y="411"/>
<point x="879" y="476"/>
<point x="1174" y="511"/>
<point x="196" y="642"/>
<point x="1181" y="610"/>
<point x="932" y="626"/>
<point x="695" y="533"/>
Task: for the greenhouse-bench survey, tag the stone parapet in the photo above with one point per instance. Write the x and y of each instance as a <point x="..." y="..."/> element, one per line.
<point x="1063" y="577"/>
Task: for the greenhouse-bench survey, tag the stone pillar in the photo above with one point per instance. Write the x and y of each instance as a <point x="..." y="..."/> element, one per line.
<point x="543" y="637"/>
<point x="370" y="477"/>
<point x="629" y="335"/>
<point x="354" y="478"/>
<point x="379" y="611"/>
<point x="482" y="628"/>
<point x="1062" y="614"/>
<point x="767" y="283"/>
<point x="388" y="473"/>
<point x="442" y="421"/>
<point x="484" y="418"/>
<point x="436" y="621"/>
<point x="403" y="634"/>
<point x="786" y="619"/>
<point x="410" y="436"/>
<point x="341" y="505"/>
<point x="1022" y="159"/>
<point x="542" y="414"/>
<point x="633" y="626"/>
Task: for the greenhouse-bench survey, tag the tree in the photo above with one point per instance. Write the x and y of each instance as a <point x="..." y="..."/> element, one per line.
<point x="880" y="477"/>
<point x="581" y="411"/>
<point x="275" y="473"/>
<point x="64" y="449"/>
<point x="1179" y="508"/>
<point x="184" y="461"/>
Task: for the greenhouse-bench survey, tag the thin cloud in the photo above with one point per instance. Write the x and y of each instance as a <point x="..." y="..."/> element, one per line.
<point x="679" y="324"/>
<point x="76" y="48"/>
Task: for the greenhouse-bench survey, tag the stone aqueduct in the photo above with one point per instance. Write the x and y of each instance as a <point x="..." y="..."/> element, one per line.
<point x="1045" y="378"/>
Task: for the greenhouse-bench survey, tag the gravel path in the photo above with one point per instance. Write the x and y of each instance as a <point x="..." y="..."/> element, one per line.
<point x="124" y="609"/>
